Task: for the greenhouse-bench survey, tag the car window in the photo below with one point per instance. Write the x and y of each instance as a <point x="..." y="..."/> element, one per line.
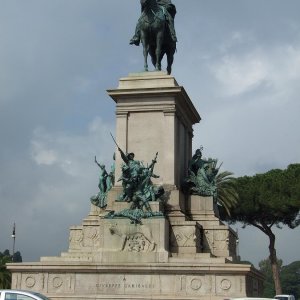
<point x="10" y="296"/>
<point x="41" y="296"/>
<point x="13" y="296"/>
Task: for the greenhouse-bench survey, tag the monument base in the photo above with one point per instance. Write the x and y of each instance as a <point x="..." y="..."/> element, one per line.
<point x="182" y="252"/>
<point x="173" y="280"/>
<point x="114" y="259"/>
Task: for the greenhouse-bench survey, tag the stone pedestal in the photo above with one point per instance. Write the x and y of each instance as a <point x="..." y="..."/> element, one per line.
<point x="177" y="280"/>
<point x="187" y="253"/>
<point x="155" y="114"/>
<point x="218" y="239"/>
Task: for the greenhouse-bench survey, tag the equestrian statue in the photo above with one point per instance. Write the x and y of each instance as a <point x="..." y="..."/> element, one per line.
<point x="155" y="30"/>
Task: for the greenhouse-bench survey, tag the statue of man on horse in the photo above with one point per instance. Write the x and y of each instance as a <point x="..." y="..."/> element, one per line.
<point x="156" y="30"/>
<point x="170" y="12"/>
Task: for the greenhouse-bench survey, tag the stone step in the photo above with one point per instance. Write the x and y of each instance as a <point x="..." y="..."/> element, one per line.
<point x="198" y="257"/>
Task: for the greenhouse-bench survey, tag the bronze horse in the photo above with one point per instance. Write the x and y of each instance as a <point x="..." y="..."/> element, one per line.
<point x="155" y="35"/>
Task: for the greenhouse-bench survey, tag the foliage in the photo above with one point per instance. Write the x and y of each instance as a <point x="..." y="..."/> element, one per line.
<point x="290" y="278"/>
<point x="272" y="198"/>
<point x="5" y="275"/>
<point x="227" y="195"/>
<point x="266" y="269"/>
<point x="5" y="253"/>
<point x="17" y="257"/>
<point x="265" y="200"/>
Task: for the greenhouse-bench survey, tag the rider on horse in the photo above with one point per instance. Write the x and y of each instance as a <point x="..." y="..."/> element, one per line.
<point x="169" y="11"/>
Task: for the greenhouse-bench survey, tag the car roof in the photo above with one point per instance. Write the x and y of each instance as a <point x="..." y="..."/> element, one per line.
<point x="253" y="298"/>
<point x="27" y="293"/>
<point x="16" y="291"/>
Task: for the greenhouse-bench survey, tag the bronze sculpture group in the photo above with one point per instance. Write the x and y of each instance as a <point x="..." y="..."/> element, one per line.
<point x="139" y="190"/>
<point x="156" y="30"/>
<point x="106" y="182"/>
<point x="136" y="181"/>
<point x="201" y="179"/>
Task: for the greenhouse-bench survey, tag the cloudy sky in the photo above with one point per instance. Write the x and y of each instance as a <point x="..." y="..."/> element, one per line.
<point x="239" y="61"/>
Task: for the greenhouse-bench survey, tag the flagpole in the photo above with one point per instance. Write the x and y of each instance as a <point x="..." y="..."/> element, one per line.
<point x="14" y="240"/>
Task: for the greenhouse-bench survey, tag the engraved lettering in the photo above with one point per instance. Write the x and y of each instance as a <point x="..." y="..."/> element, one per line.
<point x="124" y="285"/>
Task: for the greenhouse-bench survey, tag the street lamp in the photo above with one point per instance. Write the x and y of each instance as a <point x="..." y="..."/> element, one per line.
<point x="14" y="240"/>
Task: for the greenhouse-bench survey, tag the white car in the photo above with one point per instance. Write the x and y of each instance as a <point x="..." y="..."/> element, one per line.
<point x="21" y="295"/>
<point x="248" y="298"/>
<point x="284" y="297"/>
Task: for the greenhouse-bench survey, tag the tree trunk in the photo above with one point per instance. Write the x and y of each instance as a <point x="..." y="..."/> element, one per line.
<point x="274" y="263"/>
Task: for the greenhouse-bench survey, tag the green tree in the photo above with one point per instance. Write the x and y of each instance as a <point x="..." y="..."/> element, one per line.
<point x="267" y="200"/>
<point x="5" y="275"/>
<point x="17" y="257"/>
<point x="290" y="279"/>
<point x="289" y="275"/>
<point x="5" y="253"/>
<point x="266" y="269"/>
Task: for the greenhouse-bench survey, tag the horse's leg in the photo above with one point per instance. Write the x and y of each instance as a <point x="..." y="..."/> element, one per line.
<point x="170" y="56"/>
<point x="145" y="49"/>
<point x="145" y="52"/>
<point x="170" y="59"/>
<point x="159" y="42"/>
<point x="153" y="55"/>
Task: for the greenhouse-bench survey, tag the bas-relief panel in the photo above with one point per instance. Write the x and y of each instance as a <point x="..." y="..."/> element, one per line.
<point x="221" y="240"/>
<point x="217" y="240"/>
<point x="61" y="283"/>
<point x="208" y="285"/>
<point x="76" y="239"/>
<point x="191" y="285"/>
<point x="85" y="236"/>
<point x="92" y="236"/>
<point x="185" y="236"/>
<point x="138" y="243"/>
<point x="229" y="285"/>
<point x="124" y="238"/>
<point x="32" y="281"/>
<point x="55" y="283"/>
